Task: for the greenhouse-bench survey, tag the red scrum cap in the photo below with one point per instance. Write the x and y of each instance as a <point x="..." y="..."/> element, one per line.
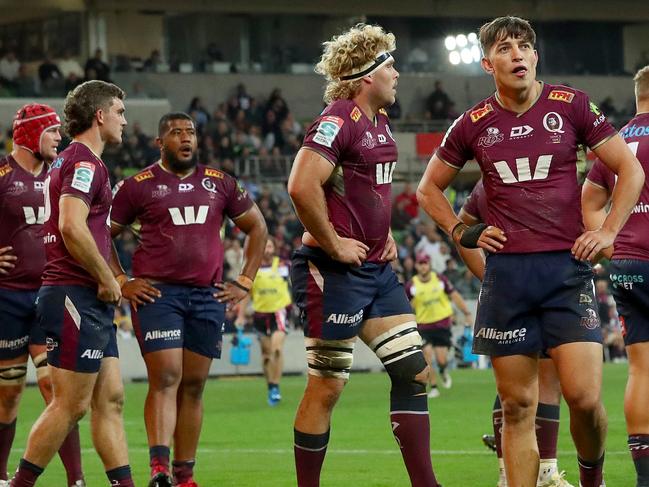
<point x="30" y="122"/>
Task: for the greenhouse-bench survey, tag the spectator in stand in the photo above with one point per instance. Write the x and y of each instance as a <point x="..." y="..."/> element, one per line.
<point x="213" y="53"/>
<point x="152" y="62"/>
<point x="277" y="104"/>
<point x="243" y="98"/>
<point x="394" y="110"/>
<point x="438" y="103"/>
<point x="96" y="68"/>
<point x="71" y="82"/>
<point x="453" y="272"/>
<point x="199" y="113"/>
<point x="49" y="74"/>
<point x="410" y="198"/>
<point x="24" y="84"/>
<point x="69" y="65"/>
<point x="469" y="285"/>
<point x="9" y="66"/>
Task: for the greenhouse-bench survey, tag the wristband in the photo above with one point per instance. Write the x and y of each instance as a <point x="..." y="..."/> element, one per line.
<point x="245" y="281"/>
<point x="240" y="286"/>
<point x="122" y="279"/>
<point x="471" y="235"/>
<point x="459" y="227"/>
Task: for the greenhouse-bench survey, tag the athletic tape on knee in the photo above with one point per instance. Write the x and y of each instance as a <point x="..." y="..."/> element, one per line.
<point x="329" y="358"/>
<point x="13" y="375"/>
<point x="40" y="363"/>
<point x="397" y="343"/>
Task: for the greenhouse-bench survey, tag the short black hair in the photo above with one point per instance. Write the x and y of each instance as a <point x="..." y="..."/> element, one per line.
<point x="168" y="117"/>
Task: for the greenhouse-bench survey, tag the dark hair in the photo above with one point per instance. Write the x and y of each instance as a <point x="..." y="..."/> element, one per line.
<point x="504" y="27"/>
<point x="82" y="104"/>
<point x="168" y="117"/>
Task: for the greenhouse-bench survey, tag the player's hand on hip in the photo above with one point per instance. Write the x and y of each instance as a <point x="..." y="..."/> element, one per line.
<point x="109" y="292"/>
<point x="481" y="235"/>
<point x="140" y="291"/>
<point x="7" y="260"/>
<point x="390" y="250"/>
<point x="350" y="251"/>
<point x="590" y="243"/>
<point x="229" y="293"/>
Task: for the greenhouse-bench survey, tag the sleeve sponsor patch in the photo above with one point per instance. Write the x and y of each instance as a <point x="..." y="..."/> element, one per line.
<point x="356" y="114"/>
<point x="215" y="173"/>
<point x="84" y="173"/>
<point x="143" y="176"/>
<point x="6" y="169"/>
<point x="479" y="113"/>
<point x="327" y="130"/>
<point x="561" y="95"/>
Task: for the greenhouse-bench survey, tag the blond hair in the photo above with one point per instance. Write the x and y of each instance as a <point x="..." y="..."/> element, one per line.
<point x="351" y="50"/>
<point x="641" y="80"/>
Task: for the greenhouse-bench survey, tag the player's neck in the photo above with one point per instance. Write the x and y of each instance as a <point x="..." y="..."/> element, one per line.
<point x="92" y="140"/>
<point x="642" y="107"/>
<point x="424" y="277"/>
<point x="267" y="261"/>
<point x="364" y="103"/>
<point x="181" y="173"/>
<point x="518" y="101"/>
<point x="27" y="161"/>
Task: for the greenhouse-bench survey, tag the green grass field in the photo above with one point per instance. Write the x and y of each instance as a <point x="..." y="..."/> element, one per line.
<point x="247" y="443"/>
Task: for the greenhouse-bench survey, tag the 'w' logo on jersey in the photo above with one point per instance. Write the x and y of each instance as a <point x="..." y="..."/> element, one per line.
<point x="384" y="172"/>
<point x="30" y="215"/>
<point x="524" y="170"/>
<point x="188" y="215"/>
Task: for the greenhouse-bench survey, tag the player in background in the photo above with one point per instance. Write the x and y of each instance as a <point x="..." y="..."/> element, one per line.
<point x="271" y="301"/>
<point x="474" y="212"/>
<point x="177" y="300"/>
<point x="629" y="274"/>
<point x="343" y="283"/>
<point x="431" y="295"/>
<point x="537" y="294"/>
<point x="36" y="137"/>
<point x="77" y="298"/>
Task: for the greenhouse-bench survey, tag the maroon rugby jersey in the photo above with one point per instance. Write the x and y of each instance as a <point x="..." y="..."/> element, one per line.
<point x="22" y="211"/>
<point x="476" y="204"/>
<point x="181" y="219"/>
<point x="364" y="154"/>
<point x="79" y="173"/>
<point x="633" y="240"/>
<point x="528" y="164"/>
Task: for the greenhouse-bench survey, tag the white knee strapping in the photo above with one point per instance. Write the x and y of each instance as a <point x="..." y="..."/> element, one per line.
<point x="397" y="343"/>
<point x="329" y="358"/>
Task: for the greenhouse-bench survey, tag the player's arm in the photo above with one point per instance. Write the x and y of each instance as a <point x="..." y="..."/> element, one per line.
<point x="430" y="194"/>
<point x="7" y="260"/>
<point x="240" y="321"/>
<point x="459" y="302"/>
<point x="473" y="258"/>
<point x="593" y="207"/>
<point x="137" y="290"/>
<point x="309" y="173"/>
<point x="252" y="223"/>
<point x="617" y="156"/>
<point x="73" y="214"/>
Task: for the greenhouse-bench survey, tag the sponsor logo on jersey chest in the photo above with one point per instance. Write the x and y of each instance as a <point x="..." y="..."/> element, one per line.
<point x="561" y="95"/>
<point x="481" y="112"/>
<point x="143" y="176"/>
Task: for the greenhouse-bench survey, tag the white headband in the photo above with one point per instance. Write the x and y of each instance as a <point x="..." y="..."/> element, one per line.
<point x="369" y="68"/>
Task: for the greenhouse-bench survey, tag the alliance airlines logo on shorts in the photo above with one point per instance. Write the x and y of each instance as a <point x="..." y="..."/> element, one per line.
<point x="162" y="335"/>
<point x="15" y="344"/>
<point x="502" y="337"/>
<point x="93" y="354"/>
<point x="328" y="130"/>
<point x="345" y="319"/>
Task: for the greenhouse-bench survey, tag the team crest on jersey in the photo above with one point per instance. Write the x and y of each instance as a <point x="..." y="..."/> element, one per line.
<point x="327" y="130"/>
<point x="561" y="95"/>
<point x="6" y="169"/>
<point x="161" y="191"/>
<point x="215" y="173"/>
<point x="368" y="141"/>
<point x="356" y="114"/>
<point x="17" y="188"/>
<point x="493" y="137"/>
<point x="481" y="112"/>
<point x="143" y="176"/>
<point x="552" y="122"/>
<point x="84" y="173"/>
<point x="209" y="185"/>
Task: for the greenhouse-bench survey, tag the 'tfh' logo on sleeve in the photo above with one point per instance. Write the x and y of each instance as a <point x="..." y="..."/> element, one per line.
<point x="84" y="173"/>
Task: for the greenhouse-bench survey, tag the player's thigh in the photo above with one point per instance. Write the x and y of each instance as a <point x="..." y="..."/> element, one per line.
<point x="72" y="391"/>
<point x="264" y="344"/>
<point x="164" y="367"/>
<point x="579" y="366"/>
<point x="161" y="325"/>
<point x="516" y="380"/>
<point x="549" y="386"/>
<point x="204" y="324"/>
<point x="109" y="388"/>
<point x="196" y="369"/>
<point x="277" y="340"/>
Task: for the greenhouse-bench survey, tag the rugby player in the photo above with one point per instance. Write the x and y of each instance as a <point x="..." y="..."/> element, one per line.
<point x="36" y="137"/>
<point x="342" y="279"/>
<point x="629" y="274"/>
<point x="271" y="300"/>
<point x="76" y="301"/>
<point x="177" y="300"/>
<point x="537" y="293"/>
<point x="430" y="295"/>
<point x="473" y="212"/>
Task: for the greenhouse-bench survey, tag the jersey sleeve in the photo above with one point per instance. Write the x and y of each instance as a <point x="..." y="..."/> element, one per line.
<point x="602" y="176"/>
<point x="455" y="149"/>
<point x="82" y="179"/>
<point x="448" y="286"/>
<point x="592" y="127"/>
<point x="123" y="211"/>
<point x="238" y="200"/>
<point x="329" y="135"/>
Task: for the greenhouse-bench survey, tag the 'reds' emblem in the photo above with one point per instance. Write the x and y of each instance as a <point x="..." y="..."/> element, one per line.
<point x="478" y="113"/>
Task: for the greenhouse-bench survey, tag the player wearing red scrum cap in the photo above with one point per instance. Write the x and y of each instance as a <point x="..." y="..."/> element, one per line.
<point x="22" y="258"/>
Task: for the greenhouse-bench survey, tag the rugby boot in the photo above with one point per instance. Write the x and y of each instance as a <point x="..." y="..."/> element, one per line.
<point x="160" y="477"/>
<point x="189" y="483"/>
<point x="555" y="479"/>
<point x="489" y="441"/>
<point x="78" y="483"/>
